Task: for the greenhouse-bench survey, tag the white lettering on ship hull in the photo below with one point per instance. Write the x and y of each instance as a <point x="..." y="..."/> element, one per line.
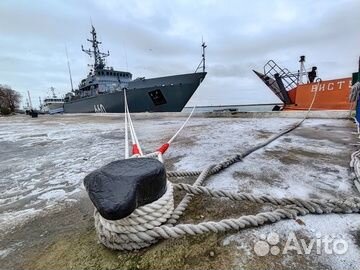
<point x="99" y="108"/>
<point x="330" y="86"/>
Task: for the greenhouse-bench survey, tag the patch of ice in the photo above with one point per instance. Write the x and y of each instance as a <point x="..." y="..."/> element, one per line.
<point x="54" y="195"/>
<point x="5" y="252"/>
<point x="11" y="219"/>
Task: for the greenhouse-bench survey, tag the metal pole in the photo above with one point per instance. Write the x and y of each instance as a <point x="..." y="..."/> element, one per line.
<point x="126" y="128"/>
<point x="302" y="69"/>
<point x="68" y="64"/>
<point x="30" y="100"/>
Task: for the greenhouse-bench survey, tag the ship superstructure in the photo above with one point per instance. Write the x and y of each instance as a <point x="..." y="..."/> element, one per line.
<point x="53" y="104"/>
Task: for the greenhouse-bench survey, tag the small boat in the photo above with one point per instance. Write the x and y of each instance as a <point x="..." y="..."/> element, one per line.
<point x="296" y="89"/>
<point x="53" y="104"/>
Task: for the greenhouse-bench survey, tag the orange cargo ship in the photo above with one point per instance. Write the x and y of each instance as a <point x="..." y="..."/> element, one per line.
<point x="296" y="94"/>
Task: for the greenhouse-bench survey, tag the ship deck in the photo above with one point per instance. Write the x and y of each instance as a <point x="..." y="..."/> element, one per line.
<point x="46" y="217"/>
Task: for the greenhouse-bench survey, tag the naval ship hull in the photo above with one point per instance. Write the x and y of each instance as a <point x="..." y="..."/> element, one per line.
<point x="163" y="94"/>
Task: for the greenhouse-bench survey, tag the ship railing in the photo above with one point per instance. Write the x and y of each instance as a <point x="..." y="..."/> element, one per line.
<point x="290" y="80"/>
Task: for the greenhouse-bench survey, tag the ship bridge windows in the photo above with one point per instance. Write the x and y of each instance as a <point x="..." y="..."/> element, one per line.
<point x="122" y="74"/>
<point x="113" y="73"/>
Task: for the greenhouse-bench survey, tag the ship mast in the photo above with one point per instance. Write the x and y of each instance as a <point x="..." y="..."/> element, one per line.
<point x="202" y="62"/>
<point x="99" y="57"/>
<point x="302" y="71"/>
<point x="52" y="89"/>
<point x="203" y="55"/>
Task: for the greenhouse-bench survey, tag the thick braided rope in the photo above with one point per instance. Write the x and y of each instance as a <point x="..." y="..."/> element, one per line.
<point x="314" y="203"/>
<point x="355" y="164"/>
<point x="155" y="221"/>
<point x="117" y="238"/>
<point x="144" y="226"/>
<point x="179" y="210"/>
<point x="248" y="221"/>
<point x="133" y="231"/>
<point x="143" y="219"/>
<point x="235" y="158"/>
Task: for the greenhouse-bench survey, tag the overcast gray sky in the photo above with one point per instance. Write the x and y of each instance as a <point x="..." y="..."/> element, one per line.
<point x="157" y="38"/>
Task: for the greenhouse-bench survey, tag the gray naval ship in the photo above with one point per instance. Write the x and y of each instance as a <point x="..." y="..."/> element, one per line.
<point x="103" y="89"/>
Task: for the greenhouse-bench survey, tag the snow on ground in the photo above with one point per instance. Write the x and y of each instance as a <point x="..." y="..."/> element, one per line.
<point x="294" y="165"/>
<point x="44" y="161"/>
<point x="331" y="228"/>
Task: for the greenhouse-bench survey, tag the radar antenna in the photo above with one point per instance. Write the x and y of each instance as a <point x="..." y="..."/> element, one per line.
<point x="99" y="57"/>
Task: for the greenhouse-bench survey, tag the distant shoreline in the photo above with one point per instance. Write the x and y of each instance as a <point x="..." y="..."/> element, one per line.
<point x="234" y="105"/>
<point x="239" y="108"/>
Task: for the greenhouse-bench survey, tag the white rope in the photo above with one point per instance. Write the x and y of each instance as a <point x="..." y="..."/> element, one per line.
<point x="129" y="120"/>
<point x="126" y="128"/>
<point x="146" y="225"/>
<point x="154" y="221"/>
<point x="354" y="92"/>
<point x="355" y="165"/>
<point x="181" y="128"/>
<point x="134" y="138"/>
<point x="131" y="232"/>
<point x="313" y="100"/>
<point x="355" y="156"/>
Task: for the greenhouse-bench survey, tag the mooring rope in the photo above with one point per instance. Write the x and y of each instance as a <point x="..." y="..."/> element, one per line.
<point x="157" y="220"/>
<point x="235" y="158"/>
<point x="126" y="128"/>
<point x="149" y="223"/>
<point x="355" y="165"/>
<point x="238" y="157"/>
<point x="355" y="156"/>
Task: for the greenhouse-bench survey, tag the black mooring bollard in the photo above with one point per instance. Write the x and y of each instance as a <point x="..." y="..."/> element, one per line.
<point x="120" y="187"/>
